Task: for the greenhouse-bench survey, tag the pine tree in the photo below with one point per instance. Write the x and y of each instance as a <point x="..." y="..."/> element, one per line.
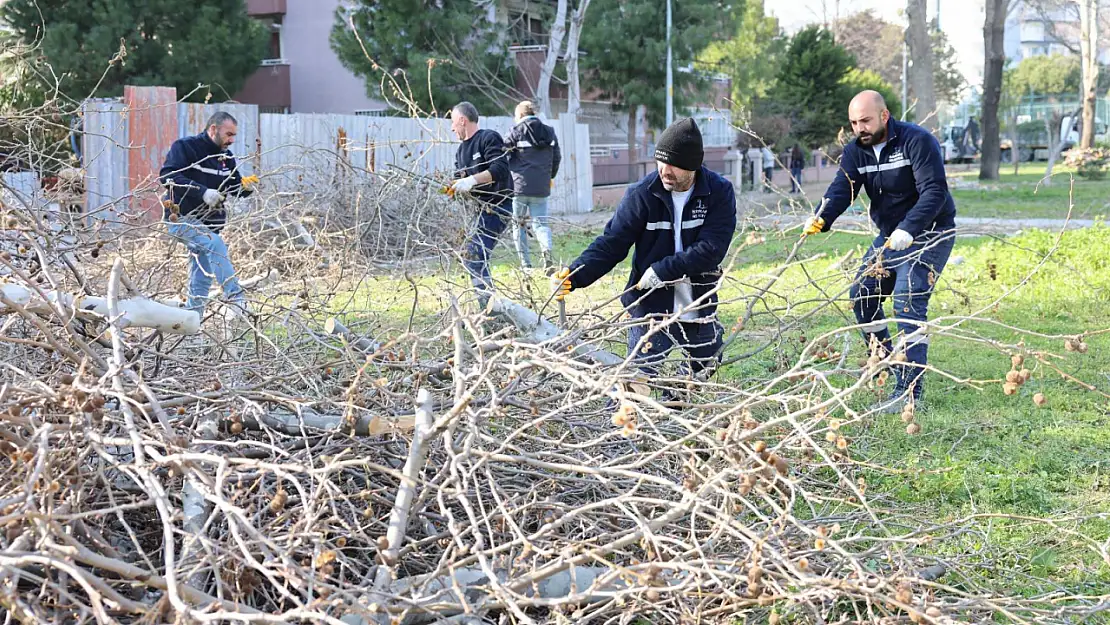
<point x="811" y="87"/>
<point x="425" y="56"/>
<point x="95" y="48"/>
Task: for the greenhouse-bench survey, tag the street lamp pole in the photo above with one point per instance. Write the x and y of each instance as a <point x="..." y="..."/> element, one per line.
<point x="670" y="76"/>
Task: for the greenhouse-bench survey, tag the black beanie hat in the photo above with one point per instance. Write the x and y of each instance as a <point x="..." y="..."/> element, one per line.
<point x="680" y="145"/>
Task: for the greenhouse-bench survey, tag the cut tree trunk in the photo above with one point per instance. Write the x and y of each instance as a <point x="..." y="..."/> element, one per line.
<point x="136" y="312"/>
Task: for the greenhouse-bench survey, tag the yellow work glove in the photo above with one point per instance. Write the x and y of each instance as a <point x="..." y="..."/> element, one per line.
<point x="813" y="225"/>
<point x="249" y="181"/>
<point x="560" y="283"/>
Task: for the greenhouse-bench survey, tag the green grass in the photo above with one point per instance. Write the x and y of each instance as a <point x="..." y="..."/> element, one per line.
<point x="1025" y="195"/>
<point x="1018" y="196"/>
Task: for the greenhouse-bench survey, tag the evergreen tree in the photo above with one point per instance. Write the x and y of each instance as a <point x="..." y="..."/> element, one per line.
<point x="90" y="48"/>
<point x="428" y="54"/>
<point x="811" y="88"/>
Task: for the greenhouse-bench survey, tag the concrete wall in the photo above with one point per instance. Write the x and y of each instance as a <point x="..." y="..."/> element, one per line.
<point x="318" y="81"/>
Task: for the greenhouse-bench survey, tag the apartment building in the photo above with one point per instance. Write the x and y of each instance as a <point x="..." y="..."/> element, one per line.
<point x="1038" y="29"/>
<point x="301" y="73"/>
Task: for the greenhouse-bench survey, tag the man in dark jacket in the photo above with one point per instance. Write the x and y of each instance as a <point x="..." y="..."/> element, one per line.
<point x="483" y="172"/>
<point x="681" y="219"/>
<point x="198" y="173"/>
<point x="901" y="166"/>
<point x="533" y="161"/>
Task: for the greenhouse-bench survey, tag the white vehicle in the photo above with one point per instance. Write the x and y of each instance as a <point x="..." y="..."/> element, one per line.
<point x="957" y="145"/>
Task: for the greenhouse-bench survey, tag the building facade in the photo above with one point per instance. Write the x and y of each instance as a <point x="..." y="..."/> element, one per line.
<point x="302" y="74"/>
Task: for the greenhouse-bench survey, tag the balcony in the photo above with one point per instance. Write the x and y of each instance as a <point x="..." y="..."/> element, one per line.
<point x="268" y="86"/>
<point x="265" y="7"/>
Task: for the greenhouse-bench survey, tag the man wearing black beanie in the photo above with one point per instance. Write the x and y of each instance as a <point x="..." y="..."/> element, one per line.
<point x="681" y="219"/>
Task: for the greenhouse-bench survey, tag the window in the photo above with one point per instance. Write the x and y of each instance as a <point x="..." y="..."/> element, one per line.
<point x="274" y="48"/>
<point x="372" y="112"/>
<point x="526" y="30"/>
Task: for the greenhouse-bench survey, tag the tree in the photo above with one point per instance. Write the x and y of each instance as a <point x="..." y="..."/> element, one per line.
<point x="920" y="72"/>
<point x="554" y="46"/>
<point x="1056" y="74"/>
<point x="875" y="42"/>
<point x="81" y="44"/>
<point x="750" y="57"/>
<point x="1088" y="40"/>
<point x="948" y="80"/>
<point x="425" y="58"/>
<point x="810" y="88"/>
<point x="574" y="91"/>
<point x="994" y="28"/>
<point x="857" y="80"/>
<point x="877" y="46"/>
<point x="626" y="60"/>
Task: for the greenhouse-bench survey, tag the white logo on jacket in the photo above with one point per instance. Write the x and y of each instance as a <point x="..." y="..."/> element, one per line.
<point x="699" y="210"/>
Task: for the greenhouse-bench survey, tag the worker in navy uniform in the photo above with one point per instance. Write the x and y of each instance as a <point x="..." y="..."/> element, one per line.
<point x="901" y="166"/>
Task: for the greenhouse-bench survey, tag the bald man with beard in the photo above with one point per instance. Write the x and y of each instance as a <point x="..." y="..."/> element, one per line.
<point x="901" y="167"/>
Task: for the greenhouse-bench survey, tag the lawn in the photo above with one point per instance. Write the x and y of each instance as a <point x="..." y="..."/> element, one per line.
<point x="1013" y="196"/>
<point x="1026" y="195"/>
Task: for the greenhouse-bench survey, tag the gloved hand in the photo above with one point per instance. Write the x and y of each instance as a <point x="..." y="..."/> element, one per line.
<point x="249" y="181"/>
<point x="900" y="240"/>
<point x="813" y="225"/>
<point x="560" y="283"/>
<point x="464" y="184"/>
<point x="649" y="280"/>
<point x="212" y="197"/>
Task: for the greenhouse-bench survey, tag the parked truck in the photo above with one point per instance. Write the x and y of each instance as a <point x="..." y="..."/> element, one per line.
<point x="1033" y="139"/>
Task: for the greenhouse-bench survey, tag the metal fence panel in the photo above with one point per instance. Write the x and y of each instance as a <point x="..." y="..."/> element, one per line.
<point x="104" y="152"/>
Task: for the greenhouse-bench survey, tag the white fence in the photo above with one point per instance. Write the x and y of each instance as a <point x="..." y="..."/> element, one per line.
<point x="305" y="153"/>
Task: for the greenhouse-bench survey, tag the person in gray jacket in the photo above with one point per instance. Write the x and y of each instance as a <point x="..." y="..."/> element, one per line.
<point x="534" y="160"/>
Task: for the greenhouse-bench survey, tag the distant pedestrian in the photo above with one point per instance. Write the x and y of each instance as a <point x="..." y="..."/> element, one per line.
<point x="534" y="159"/>
<point x="797" y="164"/>
<point x="768" y="166"/>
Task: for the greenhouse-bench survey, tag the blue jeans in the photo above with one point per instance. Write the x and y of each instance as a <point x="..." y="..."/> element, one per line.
<point x="701" y="341"/>
<point x="526" y="207"/>
<point x="908" y="276"/>
<point x="795" y="179"/>
<point x="491" y="223"/>
<point x="208" y="258"/>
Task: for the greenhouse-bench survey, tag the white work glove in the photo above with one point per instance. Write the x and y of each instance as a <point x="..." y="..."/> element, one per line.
<point x="464" y="184"/>
<point x="212" y="197"/>
<point x="900" y="240"/>
<point x="649" y="280"/>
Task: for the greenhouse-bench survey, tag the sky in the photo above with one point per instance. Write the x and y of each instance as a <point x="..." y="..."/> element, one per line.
<point x="961" y="20"/>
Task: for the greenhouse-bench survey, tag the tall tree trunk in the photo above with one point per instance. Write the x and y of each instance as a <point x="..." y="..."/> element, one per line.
<point x="554" y="46"/>
<point x="994" y="29"/>
<point x="1088" y="45"/>
<point x="633" y="153"/>
<point x="1052" y="126"/>
<point x="921" y="70"/>
<point x="574" y="90"/>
